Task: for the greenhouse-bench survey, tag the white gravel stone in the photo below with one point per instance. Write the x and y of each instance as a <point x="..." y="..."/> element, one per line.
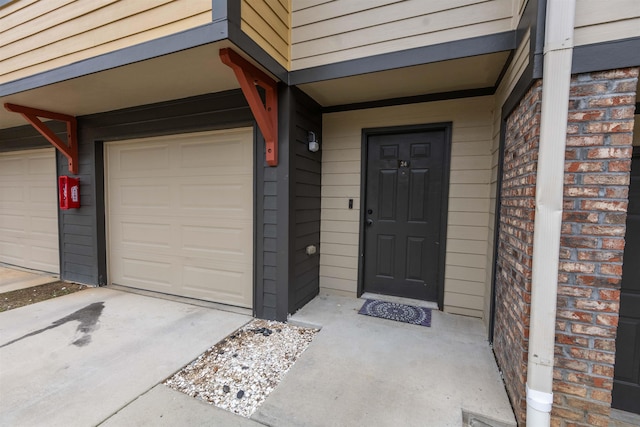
<point x="246" y="361"/>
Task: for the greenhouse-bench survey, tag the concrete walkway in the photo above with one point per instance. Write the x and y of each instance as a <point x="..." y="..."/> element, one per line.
<point x="12" y="278"/>
<point x="98" y="357"/>
<point x="366" y="371"/>
<point x="78" y="359"/>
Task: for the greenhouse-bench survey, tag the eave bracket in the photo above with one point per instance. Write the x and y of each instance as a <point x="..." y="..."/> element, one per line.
<point x="266" y="114"/>
<point x="70" y="148"/>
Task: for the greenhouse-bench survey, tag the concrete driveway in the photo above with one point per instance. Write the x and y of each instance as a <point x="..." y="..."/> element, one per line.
<point x="78" y="359"/>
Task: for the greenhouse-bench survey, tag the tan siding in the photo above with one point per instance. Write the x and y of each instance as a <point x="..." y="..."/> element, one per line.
<point x="468" y="195"/>
<point x="600" y="21"/>
<point x="268" y="23"/>
<point x="345" y="29"/>
<point x="53" y="33"/>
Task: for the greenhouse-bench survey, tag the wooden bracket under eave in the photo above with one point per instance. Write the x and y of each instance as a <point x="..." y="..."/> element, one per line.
<point x="266" y="114"/>
<point x="70" y="149"/>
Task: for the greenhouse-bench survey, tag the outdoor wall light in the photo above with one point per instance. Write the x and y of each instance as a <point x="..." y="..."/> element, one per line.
<point x="314" y="144"/>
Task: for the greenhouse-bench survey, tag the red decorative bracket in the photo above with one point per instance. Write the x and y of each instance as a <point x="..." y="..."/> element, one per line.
<point x="266" y="114"/>
<point x="70" y="149"/>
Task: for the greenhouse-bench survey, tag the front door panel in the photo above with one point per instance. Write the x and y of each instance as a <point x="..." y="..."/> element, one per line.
<point x="402" y="213"/>
<point x="626" y="386"/>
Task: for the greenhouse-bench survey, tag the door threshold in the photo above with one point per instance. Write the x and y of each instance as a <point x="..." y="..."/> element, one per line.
<point x="185" y="300"/>
<point x="400" y="300"/>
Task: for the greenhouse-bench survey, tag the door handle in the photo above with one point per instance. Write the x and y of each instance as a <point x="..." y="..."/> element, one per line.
<point x="369" y="222"/>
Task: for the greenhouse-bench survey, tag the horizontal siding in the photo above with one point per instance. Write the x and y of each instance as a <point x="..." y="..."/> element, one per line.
<point x="48" y="34"/>
<point x="469" y="195"/>
<point x="600" y="21"/>
<point x="268" y="23"/>
<point x="326" y="32"/>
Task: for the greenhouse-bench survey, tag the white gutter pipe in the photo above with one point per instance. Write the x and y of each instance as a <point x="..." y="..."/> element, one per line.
<point x="558" y="52"/>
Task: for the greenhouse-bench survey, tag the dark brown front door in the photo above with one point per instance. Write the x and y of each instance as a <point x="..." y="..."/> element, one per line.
<point x="626" y="384"/>
<point x="403" y="211"/>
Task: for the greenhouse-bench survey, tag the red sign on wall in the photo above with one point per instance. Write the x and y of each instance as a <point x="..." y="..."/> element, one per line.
<point x="69" y="192"/>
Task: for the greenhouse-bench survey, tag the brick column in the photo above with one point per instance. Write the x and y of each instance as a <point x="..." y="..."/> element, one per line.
<point x="598" y="160"/>
<point x="515" y="247"/>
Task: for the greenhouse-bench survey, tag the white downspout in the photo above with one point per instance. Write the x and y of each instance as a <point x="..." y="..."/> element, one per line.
<point x="558" y="52"/>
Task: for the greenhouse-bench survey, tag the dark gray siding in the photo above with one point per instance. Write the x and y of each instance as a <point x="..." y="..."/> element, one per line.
<point x="305" y="201"/>
<point x="26" y="137"/>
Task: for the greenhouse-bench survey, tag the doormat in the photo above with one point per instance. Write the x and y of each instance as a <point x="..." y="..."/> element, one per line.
<point x="398" y="312"/>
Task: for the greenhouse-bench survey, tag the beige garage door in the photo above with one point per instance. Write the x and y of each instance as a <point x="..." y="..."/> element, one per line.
<point x="29" y="210"/>
<point x="180" y="215"/>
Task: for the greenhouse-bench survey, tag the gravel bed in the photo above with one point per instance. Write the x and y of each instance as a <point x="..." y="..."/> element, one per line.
<point x="239" y="372"/>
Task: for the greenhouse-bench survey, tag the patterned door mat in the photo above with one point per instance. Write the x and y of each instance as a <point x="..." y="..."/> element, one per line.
<point x="398" y="312"/>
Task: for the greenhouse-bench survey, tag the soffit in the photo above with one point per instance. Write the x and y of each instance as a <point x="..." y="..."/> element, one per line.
<point x="454" y="75"/>
<point x="178" y="75"/>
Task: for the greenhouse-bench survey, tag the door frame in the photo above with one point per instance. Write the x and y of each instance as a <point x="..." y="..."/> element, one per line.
<point x="446" y="168"/>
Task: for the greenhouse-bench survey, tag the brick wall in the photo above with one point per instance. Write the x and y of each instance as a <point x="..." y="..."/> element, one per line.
<point x="598" y="160"/>
<point x="513" y="273"/>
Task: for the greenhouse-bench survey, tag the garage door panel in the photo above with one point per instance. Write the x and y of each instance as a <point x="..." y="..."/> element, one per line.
<point x="144" y="273"/>
<point x="28" y="210"/>
<point x="184" y="227"/>
<point x="135" y="162"/>
<point x="138" y="233"/>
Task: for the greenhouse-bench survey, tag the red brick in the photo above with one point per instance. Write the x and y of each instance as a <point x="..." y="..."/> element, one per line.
<point x="621" y="139"/>
<point x="579" y="242"/>
<point x="617" y="192"/>
<point x="609" y="295"/>
<point x="611" y="101"/>
<point x="598" y="420"/>
<point x="607" y="206"/>
<point x="585" y="141"/>
<point x="604" y="306"/>
<point x="607" y="320"/>
<point x="566" y="388"/>
<point x="604" y="370"/>
<point x="589" y="217"/>
<point x="600" y="255"/>
<point x="584" y="115"/>
<point x="606" y="345"/>
<point x="603" y="230"/>
<point x="603" y="396"/>
<point x="622" y="113"/>
<point x="620" y="166"/>
<point x="613" y="244"/>
<point x="588" y="280"/>
<point x="615" y="218"/>
<point x="611" y="269"/>
<point x="577" y="267"/>
<point x="584" y="166"/>
<point x="609" y="152"/>
<point x="620" y="73"/>
<point x="579" y="316"/>
<point x="575" y="291"/>
<point x="606" y="179"/>
<point x="597" y="331"/>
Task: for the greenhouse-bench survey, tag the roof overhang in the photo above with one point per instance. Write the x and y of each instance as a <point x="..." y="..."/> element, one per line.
<point x="451" y="76"/>
<point x="181" y="74"/>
